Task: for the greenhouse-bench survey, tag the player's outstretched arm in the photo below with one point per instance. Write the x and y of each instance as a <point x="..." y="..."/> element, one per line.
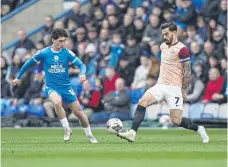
<point x="82" y="68"/>
<point x="24" y="68"/>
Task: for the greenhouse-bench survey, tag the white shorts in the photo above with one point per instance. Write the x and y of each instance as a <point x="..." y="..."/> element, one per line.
<point x="172" y="95"/>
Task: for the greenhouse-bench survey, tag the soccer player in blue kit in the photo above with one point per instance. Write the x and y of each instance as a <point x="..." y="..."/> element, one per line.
<point x="55" y="60"/>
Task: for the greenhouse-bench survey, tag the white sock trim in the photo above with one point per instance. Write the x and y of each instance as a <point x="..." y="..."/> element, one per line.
<point x="88" y="131"/>
<point x="64" y="123"/>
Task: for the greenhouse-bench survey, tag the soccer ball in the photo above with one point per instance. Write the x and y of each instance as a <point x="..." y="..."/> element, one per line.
<point x="114" y="125"/>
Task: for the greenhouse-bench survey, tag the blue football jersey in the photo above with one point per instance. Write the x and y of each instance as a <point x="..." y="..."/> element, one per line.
<point x="55" y="66"/>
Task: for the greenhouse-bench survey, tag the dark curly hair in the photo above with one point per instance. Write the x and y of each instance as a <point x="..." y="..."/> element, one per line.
<point x="171" y="25"/>
<point x="57" y="33"/>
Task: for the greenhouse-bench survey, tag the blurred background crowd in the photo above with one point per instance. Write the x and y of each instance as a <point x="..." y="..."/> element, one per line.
<point x="8" y="6"/>
<point x="119" y="43"/>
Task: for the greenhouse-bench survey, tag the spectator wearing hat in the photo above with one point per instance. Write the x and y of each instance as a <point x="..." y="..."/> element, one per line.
<point x="125" y="70"/>
<point x="90" y="59"/>
<point x="141" y="72"/>
<point x="92" y="36"/>
<point x="132" y="51"/>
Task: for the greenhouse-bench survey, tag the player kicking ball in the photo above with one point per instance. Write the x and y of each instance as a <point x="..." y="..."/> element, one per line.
<point x="172" y="83"/>
<point x="55" y="60"/>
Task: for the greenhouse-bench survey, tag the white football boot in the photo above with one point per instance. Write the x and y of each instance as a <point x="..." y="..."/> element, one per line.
<point x="129" y="135"/>
<point x="67" y="134"/>
<point x="92" y="139"/>
<point x="202" y="132"/>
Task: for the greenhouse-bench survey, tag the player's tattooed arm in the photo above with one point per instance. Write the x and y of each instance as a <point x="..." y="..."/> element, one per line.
<point x="186" y="74"/>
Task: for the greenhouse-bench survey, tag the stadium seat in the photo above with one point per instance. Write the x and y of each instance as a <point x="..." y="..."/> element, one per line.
<point x="136" y="95"/>
<point x="195" y="110"/>
<point x="186" y="110"/>
<point x="211" y="109"/>
<point x="36" y="110"/>
<point x="222" y="113"/>
<point x="152" y="111"/>
<point x="9" y="111"/>
<point x="22" y="108"/>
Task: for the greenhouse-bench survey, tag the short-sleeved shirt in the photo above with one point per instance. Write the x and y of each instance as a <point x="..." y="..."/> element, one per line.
<point x="171" y="70"/>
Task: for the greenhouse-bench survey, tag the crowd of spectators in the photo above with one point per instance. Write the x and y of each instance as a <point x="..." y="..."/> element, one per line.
<point x="119" y="43"/>
<point x="9" y="5"/>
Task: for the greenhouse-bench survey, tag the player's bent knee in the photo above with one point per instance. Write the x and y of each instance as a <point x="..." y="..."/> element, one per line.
<point x="143" y="102"/>
<point x="176" y="120"/>
<point x="147" y="100"/>
<point x="57" y="103"/>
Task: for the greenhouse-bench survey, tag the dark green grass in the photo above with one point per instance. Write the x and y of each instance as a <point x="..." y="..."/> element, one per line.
<point x="154" y="148"/>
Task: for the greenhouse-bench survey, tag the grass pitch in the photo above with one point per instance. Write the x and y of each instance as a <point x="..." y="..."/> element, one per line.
<point x="153" y="148"/>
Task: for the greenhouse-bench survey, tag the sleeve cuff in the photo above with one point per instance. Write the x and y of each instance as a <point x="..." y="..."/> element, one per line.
<point x="185" y="59"/>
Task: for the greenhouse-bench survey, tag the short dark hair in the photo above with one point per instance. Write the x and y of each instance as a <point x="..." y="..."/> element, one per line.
<point x="57" y="33"/>
<point x="171" y="25"/>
